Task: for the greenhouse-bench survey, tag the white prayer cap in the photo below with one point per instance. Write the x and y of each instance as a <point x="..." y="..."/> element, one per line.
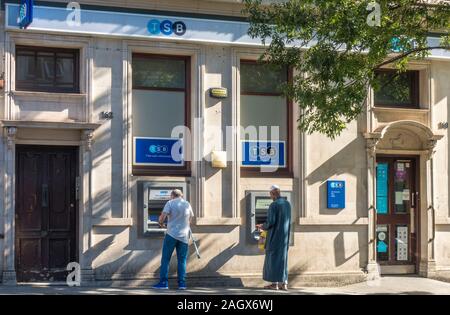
<point x="274" y="187"/>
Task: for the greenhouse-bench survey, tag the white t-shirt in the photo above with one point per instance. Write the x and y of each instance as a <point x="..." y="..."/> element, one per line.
<point x="179" y="212"/>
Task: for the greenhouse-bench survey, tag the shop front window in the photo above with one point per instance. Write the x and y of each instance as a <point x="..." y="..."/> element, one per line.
<point x="264" y="119"/>
<point x="160" y="106"/>
<point x="397" y="89"/>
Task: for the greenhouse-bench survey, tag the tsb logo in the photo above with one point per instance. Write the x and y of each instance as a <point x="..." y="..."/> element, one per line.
<point x="166" y="27"/>
<point x="158" y="149"/>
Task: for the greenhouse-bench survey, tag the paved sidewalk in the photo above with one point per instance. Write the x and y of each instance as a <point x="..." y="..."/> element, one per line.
<point x="386" y="285"/>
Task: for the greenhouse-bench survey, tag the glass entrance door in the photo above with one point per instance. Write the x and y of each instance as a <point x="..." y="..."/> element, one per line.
<point x="396" y="205"/>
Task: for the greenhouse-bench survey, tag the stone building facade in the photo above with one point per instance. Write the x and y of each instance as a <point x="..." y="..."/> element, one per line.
<point x="78" y="97"/>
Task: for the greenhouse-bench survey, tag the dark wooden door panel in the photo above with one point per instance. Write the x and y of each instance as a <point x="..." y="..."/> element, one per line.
<point x="60" y="199"/>
<point x="45" y="212"/>
<point x="28" y="203"/>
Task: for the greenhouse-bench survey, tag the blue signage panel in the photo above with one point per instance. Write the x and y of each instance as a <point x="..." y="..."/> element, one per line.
<point x="382" y="188"/>
<point x="335" y="194"/>
<point x="158" y="151"/>
<point x="143" y="25"/>
<point x="263" y="153"/>
<point x="25" y="13"/>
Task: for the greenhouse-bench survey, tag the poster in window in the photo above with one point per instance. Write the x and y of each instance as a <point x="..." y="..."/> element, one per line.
<point x="264" y="153"/>
<point x="158" y="151"/>
<point x="382" y="188"/>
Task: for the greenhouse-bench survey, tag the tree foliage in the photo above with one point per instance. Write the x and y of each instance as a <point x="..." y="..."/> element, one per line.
<point x="336" y="52"/>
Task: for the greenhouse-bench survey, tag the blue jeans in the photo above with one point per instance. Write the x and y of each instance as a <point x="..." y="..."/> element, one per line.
<point x="169" y="245"/>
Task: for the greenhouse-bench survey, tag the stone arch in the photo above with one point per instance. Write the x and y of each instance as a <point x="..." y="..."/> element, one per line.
<point x="405" y="135"/>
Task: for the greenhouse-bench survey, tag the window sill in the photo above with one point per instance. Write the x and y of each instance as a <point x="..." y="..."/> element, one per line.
<point x="218" y="221"/>
<point x="112" y="222"/>
<point x="442" y="220"/>
<point x="256" y="172"/>
<point x="400" y="109"/>
<point x="160" y="172"/>
<point x="48" y="95"/>
<point x="336" y="220"/>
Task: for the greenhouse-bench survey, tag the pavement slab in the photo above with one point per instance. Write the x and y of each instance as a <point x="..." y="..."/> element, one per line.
<point x="385" y="285"/>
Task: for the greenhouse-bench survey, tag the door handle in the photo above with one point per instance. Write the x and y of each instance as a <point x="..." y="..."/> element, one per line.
<point x="44" y="195"/>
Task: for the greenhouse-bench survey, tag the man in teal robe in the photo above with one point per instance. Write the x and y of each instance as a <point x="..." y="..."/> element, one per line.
<point x="278" y="227"/>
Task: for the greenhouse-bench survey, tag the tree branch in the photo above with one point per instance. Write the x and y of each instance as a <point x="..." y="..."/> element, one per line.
<point x="406" y="54"/>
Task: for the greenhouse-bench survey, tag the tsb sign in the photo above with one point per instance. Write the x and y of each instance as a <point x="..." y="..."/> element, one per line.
<point x="166" y="27"/>
<point x="25" y="13"/>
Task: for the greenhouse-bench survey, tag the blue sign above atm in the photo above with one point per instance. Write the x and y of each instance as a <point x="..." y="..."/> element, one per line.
<point x="25" y="13"/>
<point x="335" y="194"/>
<point x="158" y="151"/>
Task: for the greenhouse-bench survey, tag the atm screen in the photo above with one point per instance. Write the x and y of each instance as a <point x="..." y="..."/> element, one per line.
<point x="156" y="199"/>
<point x="261" y="208"/>
<point x="153" y="217"/>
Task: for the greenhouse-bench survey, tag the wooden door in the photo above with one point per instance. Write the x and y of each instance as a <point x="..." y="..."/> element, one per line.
<point x="397" y="211"/>
<point x="45" y="212"/>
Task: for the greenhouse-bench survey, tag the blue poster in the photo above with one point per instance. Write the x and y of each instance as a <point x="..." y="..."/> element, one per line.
<point x="382" y="247"/>
<point x="25" y="13"/>
<point x="158" y="151"/>
<point x="382" y="188"/>
<point x="335" y="194"/>
<point x="263" y="153"/>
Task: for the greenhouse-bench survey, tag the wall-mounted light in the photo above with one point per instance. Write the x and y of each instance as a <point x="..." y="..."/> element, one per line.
<point x="219" y="159"/>
<point x="219" y="92"/>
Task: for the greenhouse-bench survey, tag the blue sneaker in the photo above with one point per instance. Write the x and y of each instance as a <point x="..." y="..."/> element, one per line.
<point x="161" y="286"/>
<point x="182" y="286"/>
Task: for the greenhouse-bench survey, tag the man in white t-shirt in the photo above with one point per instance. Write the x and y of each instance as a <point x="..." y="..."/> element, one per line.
<point x="179" y="213"/>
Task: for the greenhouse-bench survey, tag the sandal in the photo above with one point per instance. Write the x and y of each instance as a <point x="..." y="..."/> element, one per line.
<point x="284" y="287"/>
<point x="271" y="287"/>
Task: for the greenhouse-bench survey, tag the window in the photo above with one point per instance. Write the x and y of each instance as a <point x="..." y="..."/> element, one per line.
<point x="47" y="69"/>
<point x="397" y="90"/>
<point x="264" y="108"/>
<point x="160" y="103"/>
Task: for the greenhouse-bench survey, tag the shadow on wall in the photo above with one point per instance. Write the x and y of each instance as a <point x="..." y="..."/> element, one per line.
<point x="339" y="245"/>
<point x="342" y="162"/>
<point x="139" y="253"/>
<point x="106" y="148"/>
<point x="447" y="105"/>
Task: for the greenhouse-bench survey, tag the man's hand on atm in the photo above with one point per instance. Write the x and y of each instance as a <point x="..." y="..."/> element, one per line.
<point x="161" y="220"/>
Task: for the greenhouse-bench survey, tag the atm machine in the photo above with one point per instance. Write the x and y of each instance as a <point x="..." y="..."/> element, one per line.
<point x="258" y="203"/>
<point x="152" y="198"/>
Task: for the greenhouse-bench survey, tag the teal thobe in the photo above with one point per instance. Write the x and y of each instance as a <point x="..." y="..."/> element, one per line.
<point x="278" y="226"/>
